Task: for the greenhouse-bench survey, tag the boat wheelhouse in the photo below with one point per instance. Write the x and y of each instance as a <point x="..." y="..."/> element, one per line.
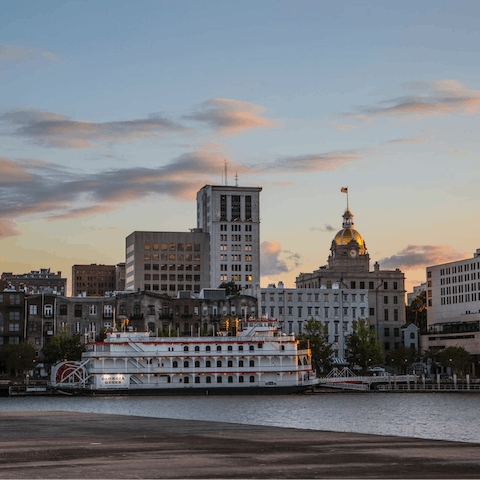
<point x="258" y="359"/>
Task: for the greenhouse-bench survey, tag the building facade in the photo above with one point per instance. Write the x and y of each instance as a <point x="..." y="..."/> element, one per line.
<point x="453" y="306"/>
<point x="37" y="281"/>
<point x="93" y="280"/>
<point x="335" y="307"/>
<point x="167" y="262"/>
<point x="231" y="216"/>
<point x="12" y="317"/>
<point x="349" y="267"/>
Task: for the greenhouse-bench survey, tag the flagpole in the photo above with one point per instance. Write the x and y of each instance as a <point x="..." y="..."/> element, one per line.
<point x="347" y="198"/>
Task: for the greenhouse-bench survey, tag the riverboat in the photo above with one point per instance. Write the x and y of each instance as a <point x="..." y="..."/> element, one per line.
<point x="258" y="359"/>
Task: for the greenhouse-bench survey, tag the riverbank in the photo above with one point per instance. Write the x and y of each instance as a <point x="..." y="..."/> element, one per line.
<point x="85" y="445"/>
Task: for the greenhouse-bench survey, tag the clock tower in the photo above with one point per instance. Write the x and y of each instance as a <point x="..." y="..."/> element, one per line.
<point x="348" y="251"/>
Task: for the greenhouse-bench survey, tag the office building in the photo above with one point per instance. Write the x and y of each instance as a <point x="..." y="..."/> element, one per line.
<point x="231" y="216"/>
<point x="93" y="280"/>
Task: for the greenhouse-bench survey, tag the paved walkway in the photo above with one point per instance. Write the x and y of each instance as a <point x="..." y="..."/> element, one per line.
<point x="77" y="445"/>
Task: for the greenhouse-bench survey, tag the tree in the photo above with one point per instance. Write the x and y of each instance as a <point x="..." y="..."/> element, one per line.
<point x="363" y="348"/>
<point x="18" y="358"/>
<point x="317" y="335"/>
<point x="457" y="358"/>
<point x="417" y="311"/>
<point x="62" y="347"/>
<point x="430" y="356"/>
<point x="231" y="288"/>
<point x="403" y="357"/>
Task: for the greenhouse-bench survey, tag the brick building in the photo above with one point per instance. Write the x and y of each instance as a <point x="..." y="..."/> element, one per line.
<point x="93" y="280"/>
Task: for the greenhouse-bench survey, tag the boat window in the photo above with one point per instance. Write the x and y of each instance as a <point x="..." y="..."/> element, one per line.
<point x="230" y="348"/>
<point x="186" y="380"/>
<point x="240" y="363"/>
<point x="197" y="379"/>
<point x="240" y="379"/>
<point x="207" y="348"/>
<point x="219" y="348"/>
<point x="230" y="379"/>
<point x="252" y="363"/>
<point x="260" y="345"/>
<point x="208" y="363"/>
<point x="240" y="348"/>
<point x="252" y="379"/>
<point x="197" y="348"/>
<point x="219" y="363"/>
<point x="208" y="379"/>
<point x="197" y="364"/>
<point x="230" y="363"/>
<point x="175" y="364"/>
<point x="185" y="349"/>
<point x="282" y="347"/>
<point x="185" y="364"/>
<point x="250" y="347"/>
<point x="219" y="379"/>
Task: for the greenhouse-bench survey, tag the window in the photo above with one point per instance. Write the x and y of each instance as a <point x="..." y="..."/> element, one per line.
<point x="395" y="285"/>
<point x="387" y="332"/>
<point x="362" y="285"/>
<point x="219" y="379"/>
<point x="63" y="310"/>
<point x="371" y="311"/>
<point x="175" y="364"/>
<point x="93" y="309"/>
<point x="208" y="380"/>
<point x="252" y="379"/>
<point x="208" y="363"/>
<point x="396" y="332"/>
<point x="240" y="379"/>
<point x="395" y="315"/>
<point x="252" y="363"/>
<point x="353" y="285"/>
<point x="197" y="364"/>
<point x="14" y="327"/>
<point x="385" y="300"/>
<point x="395" y="300"/>
<point x="370" y="286"/>
<point x="33" y="309"/>
<point x="14" y="315"/>
<point x="48" y="309"/>
<point x="240" y="363"/>
<point x="108" y="311"/>
<point x="219" y="363"/>
<point x="14" y="299"/>
<point x="385" y="315"/>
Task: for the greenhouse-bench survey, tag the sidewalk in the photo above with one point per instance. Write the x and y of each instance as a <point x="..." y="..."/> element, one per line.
<point x="76" y="445"/>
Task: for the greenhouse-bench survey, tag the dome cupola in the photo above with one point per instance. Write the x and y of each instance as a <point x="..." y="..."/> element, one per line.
<point x="347" y="233"/>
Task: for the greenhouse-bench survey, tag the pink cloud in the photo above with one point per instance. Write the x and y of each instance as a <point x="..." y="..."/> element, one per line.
<point x="7" y="229"/>
<point x="229" y="117"/>
<point x="420" y="256"/>
<point x="410" y="140"/>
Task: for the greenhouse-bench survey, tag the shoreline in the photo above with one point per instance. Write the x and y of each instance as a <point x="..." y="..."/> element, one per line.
<point x="41" y="444"/>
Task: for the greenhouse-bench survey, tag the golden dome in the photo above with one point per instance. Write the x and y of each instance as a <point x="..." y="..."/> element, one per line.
<point x="346" y="235"/>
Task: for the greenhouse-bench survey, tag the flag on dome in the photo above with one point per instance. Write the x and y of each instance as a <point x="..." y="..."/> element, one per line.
<point x="344" y="190"/>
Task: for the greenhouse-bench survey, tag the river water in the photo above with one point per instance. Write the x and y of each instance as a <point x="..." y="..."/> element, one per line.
<point x="442" y="416"/>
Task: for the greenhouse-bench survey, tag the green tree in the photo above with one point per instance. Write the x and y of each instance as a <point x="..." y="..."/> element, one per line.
<point x="102" y="335"/>
<point x="403" y="357"/>
<point x="457" y="358"/>
<point x="62" y="347"/>
<point x="166" y="333"/>
<point x="363" y="348"/>
<point x="18" y="358"/>
<point x="322" y="352"/>
<point x="417" y="312"/>
<point x="231" y="288"/>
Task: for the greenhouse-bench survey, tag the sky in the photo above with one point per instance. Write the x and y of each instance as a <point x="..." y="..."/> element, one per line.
<point x="113" y="114"/>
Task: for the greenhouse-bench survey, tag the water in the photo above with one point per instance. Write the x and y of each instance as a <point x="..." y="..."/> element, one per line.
<point x="451" y="416"/>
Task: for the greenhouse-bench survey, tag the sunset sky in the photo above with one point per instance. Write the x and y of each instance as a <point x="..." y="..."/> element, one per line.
<point x="113" y="114"/>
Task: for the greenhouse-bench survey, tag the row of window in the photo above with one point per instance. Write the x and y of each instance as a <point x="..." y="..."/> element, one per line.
<point x="171" y="287"/>
<point x="235" y="238"/>
<point x="172" y="267"/>
<point x="236" y="278"/>
<point x="457" y="289"/>
<point x="315" y="311"/>
<point x="460" y="278"/>
<point x="309" y="297"/>
<point x="353" y="285"/>
<point x="181" y="257"/>
<point x="235" y="228"/>
<point x="460" y="268"/>
<point x="63" y="310"/>
<point x="457" y="299"/>
<point x="14" y="298"/>
<point x="396" y="332"/>
<point x="235" y="268"/>
<point x="179" y="247"/>
<point x="208" y="364"/>
<point x="235" y="248"/>
<point x="172" y="277"/>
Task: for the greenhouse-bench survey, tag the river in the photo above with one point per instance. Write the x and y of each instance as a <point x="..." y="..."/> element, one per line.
<point x="441" y="416"/>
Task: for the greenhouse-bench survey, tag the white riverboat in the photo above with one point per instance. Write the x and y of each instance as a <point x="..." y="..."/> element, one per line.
<point x="259" y="359"/>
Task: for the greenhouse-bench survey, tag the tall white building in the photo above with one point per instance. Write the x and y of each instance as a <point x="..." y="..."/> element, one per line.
<point x="231" y="216"/>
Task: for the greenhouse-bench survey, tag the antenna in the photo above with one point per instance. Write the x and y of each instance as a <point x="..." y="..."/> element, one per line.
<point x="226" y="180"/>
<point x="236" y="179"/>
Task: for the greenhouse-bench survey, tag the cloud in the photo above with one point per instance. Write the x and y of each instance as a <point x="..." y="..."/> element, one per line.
<point x="327" y="228"/>
<point x="420" y="256"/>
<point x="229" y="117"/>
<point x="15" y="53"/>
<point x="7" y="229"/>
<point x="410" y="140"/>
<point x="442" y="97"/>
<point x="344" y="127"/>
<point x="272" y="264"/>
<point x="51" y="129"/>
